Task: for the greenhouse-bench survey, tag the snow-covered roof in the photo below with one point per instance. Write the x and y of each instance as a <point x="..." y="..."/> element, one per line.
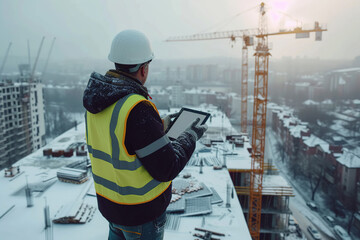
<point x="314" y="141"/>
<point x="276" y="185"/>
<point x="342" y="81"/>
<point x="356" y="101"/>
<point x="352" y="112"/>
<point x="199" y="91"/>
<point x="38" y="169"/>
<point x="338" y="126"/>
<point x="346" y="70"/>
<point x="349" y="159"/>
<point x="295" y="131"/>
<point x="327" y="101"/>
<point x="337" y="138"/>
<point x="242" y="159"/>
<point x="310" y="102"/>
<point x="342" y="116"/>
<point x="302" y="84"/>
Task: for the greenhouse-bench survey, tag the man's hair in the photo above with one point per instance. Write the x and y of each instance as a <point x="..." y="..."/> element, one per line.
<point x="124" y="68"/>
<point x="133" y="68"/>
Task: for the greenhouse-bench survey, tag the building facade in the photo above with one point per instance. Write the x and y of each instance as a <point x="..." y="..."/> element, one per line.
<point x="22" y="123"/>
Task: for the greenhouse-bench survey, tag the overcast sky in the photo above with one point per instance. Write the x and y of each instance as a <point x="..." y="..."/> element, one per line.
<point x="85" y="28"/>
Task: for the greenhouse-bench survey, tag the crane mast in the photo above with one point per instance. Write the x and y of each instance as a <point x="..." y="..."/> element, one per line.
<point x="258" y="126"/>
<point x="244" y="87"/>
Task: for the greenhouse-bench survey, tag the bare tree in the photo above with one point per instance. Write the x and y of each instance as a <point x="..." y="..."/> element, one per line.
<point x="353" y="211"/>
<point x="280" y="148"/>
<point x="295" y="160"/>
<point x="332" y="196"/>
<point x="315" y="174"/>
<point x="354" y="126"/>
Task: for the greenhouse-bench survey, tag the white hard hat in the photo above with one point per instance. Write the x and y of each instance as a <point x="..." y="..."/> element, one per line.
<point x="130" y="47"/>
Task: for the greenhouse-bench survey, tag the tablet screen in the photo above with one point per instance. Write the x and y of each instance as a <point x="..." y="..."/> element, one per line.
<point x="183" y="121"/>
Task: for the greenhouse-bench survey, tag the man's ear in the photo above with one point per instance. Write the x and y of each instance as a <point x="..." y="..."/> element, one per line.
<point x="142" y="71"/>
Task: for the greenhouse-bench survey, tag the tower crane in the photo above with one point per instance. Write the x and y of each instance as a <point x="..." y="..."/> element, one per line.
<point x="36" y="60"/>
<point x="5" y="58"/>
<point x="262" y="54"/>
<point x="48" y="57"/>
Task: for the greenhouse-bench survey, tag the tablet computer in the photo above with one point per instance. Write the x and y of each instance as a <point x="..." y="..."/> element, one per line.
<point x="183" y="121"/>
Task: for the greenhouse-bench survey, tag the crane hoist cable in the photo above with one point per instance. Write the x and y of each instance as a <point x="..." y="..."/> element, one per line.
<point x="225" y="22"/>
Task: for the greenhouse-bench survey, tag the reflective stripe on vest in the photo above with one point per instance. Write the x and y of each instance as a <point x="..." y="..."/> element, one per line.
<point x="119" y="176"/>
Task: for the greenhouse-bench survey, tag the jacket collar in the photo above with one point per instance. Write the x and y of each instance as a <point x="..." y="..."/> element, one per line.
<point x="121" y="75"/>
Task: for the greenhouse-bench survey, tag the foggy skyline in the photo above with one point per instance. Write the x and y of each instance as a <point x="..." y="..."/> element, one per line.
<point x="84" y="29"/>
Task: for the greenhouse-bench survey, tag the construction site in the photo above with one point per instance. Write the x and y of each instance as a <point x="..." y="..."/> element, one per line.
<point x="269" y="167"/>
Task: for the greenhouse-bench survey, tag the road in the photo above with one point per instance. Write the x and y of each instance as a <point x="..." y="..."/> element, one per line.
<point x="301" y="213"/>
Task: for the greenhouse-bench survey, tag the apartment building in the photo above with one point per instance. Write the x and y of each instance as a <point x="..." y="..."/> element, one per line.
<point x="341" y="166"/>
<point x="22" y="123"/>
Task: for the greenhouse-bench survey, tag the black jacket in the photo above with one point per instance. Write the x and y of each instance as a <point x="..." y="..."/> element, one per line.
<point x="144" y="126"/>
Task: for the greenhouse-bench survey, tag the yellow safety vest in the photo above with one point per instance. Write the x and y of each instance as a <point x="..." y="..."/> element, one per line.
<point x="119" y="176"/>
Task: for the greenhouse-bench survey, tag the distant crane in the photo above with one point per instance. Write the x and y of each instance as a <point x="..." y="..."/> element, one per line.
<point x="29" y="57"/>
<point x="260" y="99"/>
<point x="48" y="57"/>
<point x="5" y="58"/>
<point x="36" y="60"/>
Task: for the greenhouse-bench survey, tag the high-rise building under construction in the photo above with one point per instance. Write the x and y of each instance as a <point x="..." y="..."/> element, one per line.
<point x="22" y="124"/>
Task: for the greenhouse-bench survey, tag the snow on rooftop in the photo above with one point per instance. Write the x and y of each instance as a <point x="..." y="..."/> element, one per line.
<point x="352" y="112"/>
<point x="338" y="126"/>
<point x="38" y="168"/>
<point x="302" y="84"/>
<point x="276" y="185"/>
<point x="346" y="70"/>
<point x="310" y="102"/>
<point x="327" y="101"/>
<point x="342" y="81"/>
<point x="199" y="91"/>
<point x="349" y="159"/>
<point x="61" y="142"/>
<point x="295" y="131"/>
<point x="314" y="141"/>
<point x="337" y="138"/>
<point x="342" y="116"/>
<point x="356" y="101"/>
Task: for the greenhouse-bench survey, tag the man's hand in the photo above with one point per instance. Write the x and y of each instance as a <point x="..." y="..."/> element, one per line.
<point x="197" y="130"/>
<point x="167" y="120"/>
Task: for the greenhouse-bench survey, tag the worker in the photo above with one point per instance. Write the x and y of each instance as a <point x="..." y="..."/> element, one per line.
<point x="133" y="161"/>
